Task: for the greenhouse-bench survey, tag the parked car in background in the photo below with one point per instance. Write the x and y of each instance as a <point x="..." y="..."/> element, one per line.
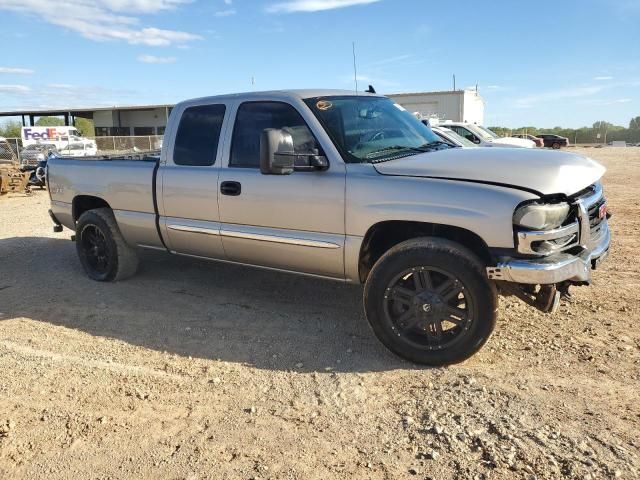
<point x="451" y="137"/>
<point x="538" y="141"/>
<point x="33" y="158"/>
<point x="483" y="137"/>
<point x="78" y="149"/>
<point x="349" y="187"/>
<point x="34" y="153"/>
<point x="554" y="141"/>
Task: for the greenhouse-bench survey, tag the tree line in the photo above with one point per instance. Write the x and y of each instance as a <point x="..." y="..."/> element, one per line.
<point x="12" y="129"/>
<point x="599" y="132"/>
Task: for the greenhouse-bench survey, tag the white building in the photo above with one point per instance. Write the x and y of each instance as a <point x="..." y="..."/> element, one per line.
<point x="457" y="106"/>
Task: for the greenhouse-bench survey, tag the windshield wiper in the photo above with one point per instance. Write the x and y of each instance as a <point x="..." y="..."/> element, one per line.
<point x="396" y="147"/>
<point x="435" y="143"/>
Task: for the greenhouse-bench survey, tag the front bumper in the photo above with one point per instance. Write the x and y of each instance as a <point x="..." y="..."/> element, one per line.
<point x="555" y="268"/>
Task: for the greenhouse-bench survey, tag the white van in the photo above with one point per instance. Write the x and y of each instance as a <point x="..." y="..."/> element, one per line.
<point x="483" y="137"/>
<point x="61" y="137"/>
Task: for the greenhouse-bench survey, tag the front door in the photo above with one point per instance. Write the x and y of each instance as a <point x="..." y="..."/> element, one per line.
<point x="291" y="222"/>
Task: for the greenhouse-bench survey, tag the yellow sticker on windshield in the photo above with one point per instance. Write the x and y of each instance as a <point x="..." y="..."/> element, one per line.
<point x="324" y="105"/>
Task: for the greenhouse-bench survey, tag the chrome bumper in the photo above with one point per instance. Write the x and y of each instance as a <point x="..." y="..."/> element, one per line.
<point x="555" y="268"/>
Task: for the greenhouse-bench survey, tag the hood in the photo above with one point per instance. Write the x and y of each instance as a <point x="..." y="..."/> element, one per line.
<point x="542" y="171"/>
<point x="513" y="142"/>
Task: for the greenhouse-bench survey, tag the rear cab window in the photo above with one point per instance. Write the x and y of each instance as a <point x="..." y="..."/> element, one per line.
<point x="198" y="135"/>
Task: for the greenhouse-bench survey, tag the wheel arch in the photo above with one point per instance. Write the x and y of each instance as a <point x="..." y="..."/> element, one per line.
<point x="84" y="203"/>
<point x="384" y="235"/>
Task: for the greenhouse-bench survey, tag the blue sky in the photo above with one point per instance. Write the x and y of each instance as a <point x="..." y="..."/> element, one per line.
<point x="549" y="63"/>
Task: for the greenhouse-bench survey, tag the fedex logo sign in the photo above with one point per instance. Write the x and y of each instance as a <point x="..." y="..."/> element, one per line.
<point x="40" y="134"/>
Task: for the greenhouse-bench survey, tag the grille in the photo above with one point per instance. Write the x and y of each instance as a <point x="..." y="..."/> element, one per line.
<point x="596" y="225"/>
<point x="30" y="162"/>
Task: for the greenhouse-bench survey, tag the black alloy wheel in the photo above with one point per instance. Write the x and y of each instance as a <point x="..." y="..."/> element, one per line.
<point x="428" y="307"/>
<point x="429" y="301"/>
<point x="96" y="251"/>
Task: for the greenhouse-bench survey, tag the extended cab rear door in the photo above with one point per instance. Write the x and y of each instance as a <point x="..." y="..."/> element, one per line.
<point x="187" y="189"/>
<point x="290" y="222"/>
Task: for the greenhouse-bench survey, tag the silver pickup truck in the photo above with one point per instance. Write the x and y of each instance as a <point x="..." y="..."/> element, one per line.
<point x="349" y="187"/>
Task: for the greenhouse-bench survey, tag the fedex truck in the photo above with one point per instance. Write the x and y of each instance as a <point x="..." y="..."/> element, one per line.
<point x="64" y="138"/>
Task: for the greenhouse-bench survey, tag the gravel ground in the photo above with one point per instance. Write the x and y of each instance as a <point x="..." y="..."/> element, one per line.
<point x="196" y="370"/>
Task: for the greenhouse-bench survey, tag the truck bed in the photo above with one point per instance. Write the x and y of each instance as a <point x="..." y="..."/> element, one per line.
<point x="126" y="183"/>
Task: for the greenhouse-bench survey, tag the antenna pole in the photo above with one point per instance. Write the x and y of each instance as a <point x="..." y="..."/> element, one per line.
<point x="355" y="70"/>
<point x="454" y="82"/>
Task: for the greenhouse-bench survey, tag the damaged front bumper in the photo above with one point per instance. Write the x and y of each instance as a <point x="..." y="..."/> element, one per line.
<point x="556" y="268"/>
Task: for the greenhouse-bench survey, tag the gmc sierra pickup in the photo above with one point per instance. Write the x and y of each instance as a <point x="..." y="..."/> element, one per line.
<point x="349" y="187"/>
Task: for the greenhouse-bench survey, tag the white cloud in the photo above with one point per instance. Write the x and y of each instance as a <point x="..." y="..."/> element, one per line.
<point x="392" y="60"/>
<point x="154" y="59"/>
<point x="314" y="5"/>
<point x="604" y="103"/>
<point x="578" y="93"/>
<point x="14" y="89"/>
<point x="225" y="13"/>
<point x="228" y="2"/>
<point x="102" y="20"/>
<point x="64" y="96"/>
<point x="557" y="95"/>
<point x="17" y="71"/>
<point x="606" y="77"/>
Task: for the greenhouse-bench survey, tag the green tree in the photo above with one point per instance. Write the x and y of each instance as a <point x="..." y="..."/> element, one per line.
<point x="634" y="124"/>
<point x="85" y="127"/>
<point x="49" y="122"/>
<point x="11" y="129"/>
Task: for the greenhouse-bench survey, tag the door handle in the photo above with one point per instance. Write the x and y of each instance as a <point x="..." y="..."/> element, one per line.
<point x="232" y="189"/>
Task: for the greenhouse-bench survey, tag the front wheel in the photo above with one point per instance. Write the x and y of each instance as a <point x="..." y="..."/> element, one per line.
<point x="555" y="146"/>
<point x="429" y="301"/>
<point x="103" y="252"/>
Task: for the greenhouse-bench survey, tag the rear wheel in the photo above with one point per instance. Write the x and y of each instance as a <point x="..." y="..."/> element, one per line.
<point x="103" y="252"/>
<point x="429" y="301"/>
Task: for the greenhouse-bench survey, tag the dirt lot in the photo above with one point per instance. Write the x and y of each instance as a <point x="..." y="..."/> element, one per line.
<point x="196" y="370"/>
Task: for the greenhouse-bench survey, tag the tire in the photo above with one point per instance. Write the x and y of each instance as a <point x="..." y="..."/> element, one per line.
<point x="555" y="146"/>
<point x="103" y="252"/>
<point x="388" y="303"/>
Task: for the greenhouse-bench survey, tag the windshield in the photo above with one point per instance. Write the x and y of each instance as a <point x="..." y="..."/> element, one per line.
<point x="372" y="129"/>
<point x="485" y="132"/>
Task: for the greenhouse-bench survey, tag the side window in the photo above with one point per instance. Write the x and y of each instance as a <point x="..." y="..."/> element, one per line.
<point x="253" y="117"/>
<point x="466" y="134"/>
<point x="198" y="135"/>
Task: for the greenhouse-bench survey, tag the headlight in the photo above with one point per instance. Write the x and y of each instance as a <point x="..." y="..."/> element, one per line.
<point x="40" y="156"/>
<point x="541" y="217"/>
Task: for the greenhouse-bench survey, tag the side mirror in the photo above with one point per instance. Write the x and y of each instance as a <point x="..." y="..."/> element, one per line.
<point x="476" y="140"/>
<point x="278" y="155"/>
<point x="276" y="152"/>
